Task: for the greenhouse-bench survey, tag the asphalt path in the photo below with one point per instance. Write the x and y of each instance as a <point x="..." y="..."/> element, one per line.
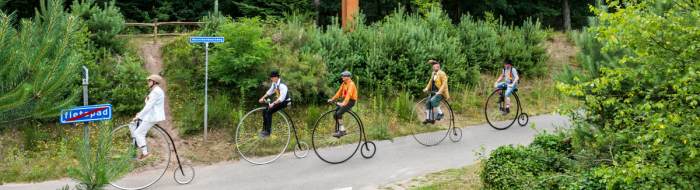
<point x="394" y="161"/>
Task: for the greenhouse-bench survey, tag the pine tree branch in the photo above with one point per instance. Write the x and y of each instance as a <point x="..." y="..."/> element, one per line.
<point x="14" y="120"/>
<point x="59" y="55"/>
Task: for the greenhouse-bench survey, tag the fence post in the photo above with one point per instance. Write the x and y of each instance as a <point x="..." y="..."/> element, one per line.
<point x="155" y="30"/>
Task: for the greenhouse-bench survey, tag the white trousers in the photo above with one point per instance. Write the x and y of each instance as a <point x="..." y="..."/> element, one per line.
<point x="139" y="133"/>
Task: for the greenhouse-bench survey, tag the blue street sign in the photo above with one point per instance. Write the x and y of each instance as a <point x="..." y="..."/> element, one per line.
<point x="86" y="114"/>
<point x="206" y="39"/>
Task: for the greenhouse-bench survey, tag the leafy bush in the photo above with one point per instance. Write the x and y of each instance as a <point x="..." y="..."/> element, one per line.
<point x="551" y="142"/>
<point x="189" y="117"/>
<point x="130" y="87"/>
<point x="302" y="71"/>
<point x="524" y="46"/>
<point x="517" y="167"/>
<point x="636" y="125"/>
<point x="403" y="105"/>
<point x="119" y="80"/>
<point x="238" y="62"/>
<point x="104" y="22"/>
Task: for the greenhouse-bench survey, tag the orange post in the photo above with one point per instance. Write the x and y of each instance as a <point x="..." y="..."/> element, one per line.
<point x="349" y="7"/>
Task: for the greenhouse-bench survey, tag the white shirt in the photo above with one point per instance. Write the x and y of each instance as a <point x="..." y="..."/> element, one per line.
<point x="154" y="111"/>
<point x="282" y="88"/>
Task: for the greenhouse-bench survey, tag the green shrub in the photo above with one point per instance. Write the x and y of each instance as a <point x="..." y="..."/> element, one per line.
<point x="104" y="22"/>
<point x="238" y="62"/>
<point x="314" y="113"/>
<point x="222" y="112"/>
<point x="480" y="42"/>
<point x="403" y="105"/>
<point x="190" y="117"/>
<point x="130" y="87"/>
<point x="524" y="46"/>
<point x="551" y="142"/>
<point x="518" y="167"/>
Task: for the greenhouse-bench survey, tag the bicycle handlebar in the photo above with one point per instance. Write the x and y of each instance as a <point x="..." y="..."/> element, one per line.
<point x="267" y="101"/>
<point x="334" y="102"/>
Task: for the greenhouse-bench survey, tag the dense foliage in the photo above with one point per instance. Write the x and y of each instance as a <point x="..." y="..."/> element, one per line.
<point x="549" y="12"/>
<point x="40" y="59"/>
<point x="104" y="22"/>
<point x="637" y="125"/>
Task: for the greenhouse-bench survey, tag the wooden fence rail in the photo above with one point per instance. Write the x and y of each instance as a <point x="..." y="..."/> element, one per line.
<point x="155" y="25"/>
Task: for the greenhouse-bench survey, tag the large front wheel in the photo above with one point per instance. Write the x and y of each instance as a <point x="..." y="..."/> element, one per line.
<point x="332" y="149"/>
<point x="146" y="173"/>
<point x="434" y="132"/>
<point x="258" y="149"/>
<point x="494" y="108"/>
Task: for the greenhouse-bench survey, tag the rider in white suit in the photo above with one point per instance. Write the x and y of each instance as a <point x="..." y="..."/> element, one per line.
<point x="152" y="113"/>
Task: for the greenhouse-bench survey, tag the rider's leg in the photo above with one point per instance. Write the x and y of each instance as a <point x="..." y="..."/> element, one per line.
<point x="339" y="117"/>
<point x="140" y="135"/>
<point x="268" y="115"/>
<point x="436" y="103"/>
<point x="508" y="92"/>
<point x="339" y="114"/>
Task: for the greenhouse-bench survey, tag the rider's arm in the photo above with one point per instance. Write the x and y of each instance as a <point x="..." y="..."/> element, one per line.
<point x="269" y="92"/>
<point x="500" y="77"/>
<point x="337" y="94"/>
<point x="517" y="78"/>
<point x="152" y="97"/>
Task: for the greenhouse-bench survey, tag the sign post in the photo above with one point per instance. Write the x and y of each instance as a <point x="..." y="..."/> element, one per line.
<point x="206" y="41"/>
<point x="85" y="103"/>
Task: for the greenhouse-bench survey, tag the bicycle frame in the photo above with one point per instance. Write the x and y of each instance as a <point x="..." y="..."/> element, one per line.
<point x="290" y="120"/>
<point x="452" y="119"/>
<point x="515" y="94"/>
<point x="362" y="126"/>
<point x="179" y="165"/>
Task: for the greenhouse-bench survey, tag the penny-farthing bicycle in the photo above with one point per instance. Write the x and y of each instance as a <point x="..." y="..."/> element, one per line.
<point x="337" y="150"/>
<point x="496" y="104"/>
<point x="258" y="149"/>
<point x="148" y="172"/>
<point x="437" y="129"/>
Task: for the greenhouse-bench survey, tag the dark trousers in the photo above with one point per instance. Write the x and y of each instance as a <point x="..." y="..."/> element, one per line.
<point x="267" y="115"/>
<point x="339" y="114"/>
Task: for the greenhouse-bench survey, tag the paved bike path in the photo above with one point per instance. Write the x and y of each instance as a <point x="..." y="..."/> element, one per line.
<point x="394" y="161"/>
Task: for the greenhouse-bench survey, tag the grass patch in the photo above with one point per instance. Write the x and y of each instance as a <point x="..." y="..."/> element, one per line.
<point x="43" y="151"/>
<point x="457" y="178"/>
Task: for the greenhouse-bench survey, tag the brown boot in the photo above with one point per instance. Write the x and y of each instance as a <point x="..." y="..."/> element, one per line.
<point x="339" y="134"/>
<point x="143" y="157"/>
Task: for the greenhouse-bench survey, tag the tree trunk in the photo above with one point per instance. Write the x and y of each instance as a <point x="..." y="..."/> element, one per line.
<point x="318" y="14"/>
<point x="566" y="14"/>
<point x="458" y="18"/>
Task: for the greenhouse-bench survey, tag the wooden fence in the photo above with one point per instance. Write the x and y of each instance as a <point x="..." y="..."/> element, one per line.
<point x="155" y="25"/>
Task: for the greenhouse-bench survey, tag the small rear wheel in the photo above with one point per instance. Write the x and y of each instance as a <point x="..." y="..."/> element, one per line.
<point x="368" y="149"/>
<point x="523" y="119"/>
<point x="184" y="174"/>
<point x="301" y="150"/>
<point x="456" y="134"/>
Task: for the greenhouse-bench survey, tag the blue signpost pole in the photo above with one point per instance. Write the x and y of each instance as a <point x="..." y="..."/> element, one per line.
<point x="206" y="90"/>
<point x="206" y="41"/>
